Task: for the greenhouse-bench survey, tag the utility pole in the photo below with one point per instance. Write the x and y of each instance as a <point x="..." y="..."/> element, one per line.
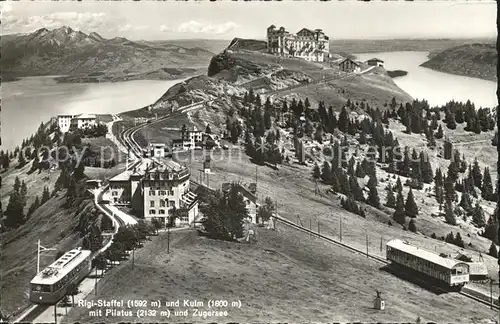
<point x="133" y="257"/>
<point x="95" y="286"/>
<point x="168" y="239"/>
<point x="256" y="179"/>
<point x="310" y="226"/>
<point x="318" y="228"/>
<point x="340" y="229"/>
<point x="55" y="313"/>
<point x="38" y="251"/>
<point x="367" y="245"/>
<point x="381" y="244"/>
<point x="491" y="293"/>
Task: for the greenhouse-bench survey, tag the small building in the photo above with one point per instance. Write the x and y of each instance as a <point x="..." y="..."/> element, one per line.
<point x="125" y="188"/>
<point x="83" y="121"/>
<point x="349" y="65"/>
<point x="64" y="122"/>
<point x="249" y="198"/>
<point x="375" y="62"/>
<point x="180" y="144"/>
<point x="166" y="189"/>
<point x="211" y="140"/>
<point x="157" y="150"/>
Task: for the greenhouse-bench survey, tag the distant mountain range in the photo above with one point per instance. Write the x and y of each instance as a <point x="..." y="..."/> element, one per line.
<point x="92" y="58"/>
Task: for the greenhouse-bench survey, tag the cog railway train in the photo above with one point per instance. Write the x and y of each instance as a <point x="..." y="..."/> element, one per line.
<point x="442" y="271"/>
<point x="52" y="283"/>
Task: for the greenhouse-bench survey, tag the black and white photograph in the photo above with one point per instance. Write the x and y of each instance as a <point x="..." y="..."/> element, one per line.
<point x="249" y="162"/>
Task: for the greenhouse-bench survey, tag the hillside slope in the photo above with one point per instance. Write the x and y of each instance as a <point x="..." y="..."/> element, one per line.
<point x="243" y="66"/>
<point x="64" y="51"/>
<point x="476" y="60"/>
<point x="54" y="225"/>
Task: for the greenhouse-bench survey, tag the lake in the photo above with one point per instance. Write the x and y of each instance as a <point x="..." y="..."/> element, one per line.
<point x="29" y="101"/>
<point x="436" y="87"/>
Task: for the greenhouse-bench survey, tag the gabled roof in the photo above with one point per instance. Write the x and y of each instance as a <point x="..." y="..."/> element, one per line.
<point x="348" y="59"/>
<point x="306" y="30"/>
<point x="85" y="116"/>
<point x="447" y="263"/>
<point x="241" y="189"/>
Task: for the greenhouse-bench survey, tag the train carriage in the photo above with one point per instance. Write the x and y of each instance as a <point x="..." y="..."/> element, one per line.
<point x="446" y="271"/>
<point x="51" y="284"/>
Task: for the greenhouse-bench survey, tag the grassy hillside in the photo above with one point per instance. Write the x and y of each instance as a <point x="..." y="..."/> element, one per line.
<point x="474" y="60"/>
<point x="54" y="225"/>
<point x="285" y="275"/>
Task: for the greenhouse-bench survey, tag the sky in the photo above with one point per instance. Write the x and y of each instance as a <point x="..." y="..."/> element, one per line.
<point x="154" y="20"/>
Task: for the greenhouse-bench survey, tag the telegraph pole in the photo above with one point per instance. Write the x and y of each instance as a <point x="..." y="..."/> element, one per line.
<point x="310" y="226"/>
<point x="38" y="250"/>
<point x="133" y="257"/>
<point x="95" y="287"/>
<point x="367" y="245"/>
<point x="341" y="229"/>
<point x="55" y="313"/>
<point x="168" y="239"/>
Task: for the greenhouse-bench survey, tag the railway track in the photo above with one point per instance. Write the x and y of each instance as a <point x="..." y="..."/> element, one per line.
<point x="376" y="258"/>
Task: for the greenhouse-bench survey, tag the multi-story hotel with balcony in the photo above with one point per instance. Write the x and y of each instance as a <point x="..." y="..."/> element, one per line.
<point x="311" y="45"/>
<point x="161" y="191"/>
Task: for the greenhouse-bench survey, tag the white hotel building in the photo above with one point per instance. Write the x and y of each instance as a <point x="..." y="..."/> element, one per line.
<point x="156" y="192"/>
<point x="65" y="122"/>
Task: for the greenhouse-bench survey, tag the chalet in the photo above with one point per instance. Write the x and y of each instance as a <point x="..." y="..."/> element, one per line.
<point x="375" y="62"/>
<point x="349" y="65"/>
<point x="249" y="197"/>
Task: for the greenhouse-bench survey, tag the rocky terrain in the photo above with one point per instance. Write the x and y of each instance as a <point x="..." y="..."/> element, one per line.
<point x="477" y="60"/>
<point x="91" y="58"/>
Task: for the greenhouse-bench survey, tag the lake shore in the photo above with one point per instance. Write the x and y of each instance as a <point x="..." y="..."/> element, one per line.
<point x="436" y="87"/>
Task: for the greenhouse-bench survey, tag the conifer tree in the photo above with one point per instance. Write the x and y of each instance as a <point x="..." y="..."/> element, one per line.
<point x="391" y="200"/>
<point x="478" y="216"/>
<point x="326" y="173"/>
<point x="411" y="208"/>
<point x="476" y="175"/>
<point x="343" y="122"/>
<point x="399" y="212"/>
<point x="412" y="226"/>
<point x="399" y="186"/>
<point x="45" y="195"/>
<point x="373" y="198"/>
<point x="355" y="189"/>
<point x="487" y="190"/>
<point x="438" y="178"/>
<point x="15" y="211"/>
<point x="449" y="215"/>
<point x="316" y="171"/>
<point x="439" y="134"/>
<point x="465" y="202"/>
<point x="452" y="171"/>
<point x="493" y="250"/>
<point x="426" y="168"/>
<point x="360" y="171"/>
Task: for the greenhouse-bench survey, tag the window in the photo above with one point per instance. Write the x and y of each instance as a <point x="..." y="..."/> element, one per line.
<point x="152" y="212"/>
<point x="151" y="192"/>
<point x="151" y="204"/>
<point x="162" y="203"/>
<point x="171" y="203"/>
<point x="161" y="211"/>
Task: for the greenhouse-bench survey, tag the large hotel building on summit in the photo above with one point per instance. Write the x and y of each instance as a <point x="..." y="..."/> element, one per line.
<point x="311" y="45"/>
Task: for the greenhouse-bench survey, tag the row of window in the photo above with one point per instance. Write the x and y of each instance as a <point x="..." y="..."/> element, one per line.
<point x="161" y="192"/>
<point x="160" y="212"/>
<point x="64" y="280"/>
<point x="163" y="203"/>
